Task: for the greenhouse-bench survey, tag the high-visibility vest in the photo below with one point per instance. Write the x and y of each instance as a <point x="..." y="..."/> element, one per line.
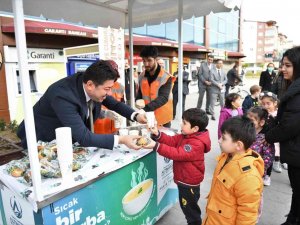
<point x="117" y="91"/>
<point x="107" y="125"/>
<point x="163" y="114"/>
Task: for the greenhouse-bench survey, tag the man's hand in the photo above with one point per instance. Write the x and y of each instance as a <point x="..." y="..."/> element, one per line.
<point x="150" y="145"/>
<point x="208" y="83"/>
<point x="220" y="86"/>
<point x="129" y="141"/>
<point x="141" y="118"/>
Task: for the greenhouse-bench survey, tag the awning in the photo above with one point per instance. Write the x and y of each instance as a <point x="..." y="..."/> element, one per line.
<point x="55" y="28"/>
<point x="235" y="55"/>
<point x="145" y="40"/>
<point x="194" y="48"/>
<point x="114" y="13"/>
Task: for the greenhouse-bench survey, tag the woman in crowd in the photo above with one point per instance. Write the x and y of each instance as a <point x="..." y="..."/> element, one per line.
<point x="266" y="78"/>
<point x="287" y="130"/>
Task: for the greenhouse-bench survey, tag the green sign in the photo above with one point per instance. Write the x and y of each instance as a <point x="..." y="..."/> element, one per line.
<point x="126" y="196"/>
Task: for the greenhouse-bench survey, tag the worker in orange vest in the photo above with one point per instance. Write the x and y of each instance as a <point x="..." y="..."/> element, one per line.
<point x="155" y="87"/>
<point x="107" y="125"/>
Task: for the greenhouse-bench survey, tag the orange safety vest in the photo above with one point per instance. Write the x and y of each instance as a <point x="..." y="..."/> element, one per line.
<point x="163" y="114"/>
<point x="107" y="125"/>
<point x="117" y="91"/>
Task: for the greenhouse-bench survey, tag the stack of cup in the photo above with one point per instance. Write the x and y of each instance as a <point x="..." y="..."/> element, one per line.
<point x="123" y="132"/>
<point x="144" y="132"/>
<point x="134" y="132"/>
<point x="150" y="119"/>
<point x="65" y="154"/>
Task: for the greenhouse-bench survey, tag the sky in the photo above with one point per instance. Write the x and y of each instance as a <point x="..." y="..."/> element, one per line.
<point x="285" y="12"/>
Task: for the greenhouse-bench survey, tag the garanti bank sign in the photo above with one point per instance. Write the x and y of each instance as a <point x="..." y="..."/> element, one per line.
<point x="35" y="55"/>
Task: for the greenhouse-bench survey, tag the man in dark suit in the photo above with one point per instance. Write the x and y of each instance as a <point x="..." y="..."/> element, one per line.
<point x="232" y="78"/>
<point x="204" y="82"/>
<point x="185" y="90"/>
<point x="71" y="101"/>
<point x="218" y="80"/>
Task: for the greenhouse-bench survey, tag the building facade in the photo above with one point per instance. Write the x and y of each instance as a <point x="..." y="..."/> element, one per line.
<point x="262" y="43"/>
<point x="216" y="34"/>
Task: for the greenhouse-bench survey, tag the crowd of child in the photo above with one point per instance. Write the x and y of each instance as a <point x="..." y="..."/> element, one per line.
<point x="243" y="168"/>
<point x="249" y="134"/>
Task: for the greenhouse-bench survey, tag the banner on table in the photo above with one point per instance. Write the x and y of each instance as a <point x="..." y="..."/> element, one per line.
<point x="125" y="197"/>
<point x="17" y="211"/>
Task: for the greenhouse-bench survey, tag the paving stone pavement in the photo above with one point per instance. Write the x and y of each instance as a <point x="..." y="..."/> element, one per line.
<point x="277" y="197"/>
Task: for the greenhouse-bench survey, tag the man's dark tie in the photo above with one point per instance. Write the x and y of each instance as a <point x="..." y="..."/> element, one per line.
<point x="91" y="119"/>
<point x="219" y="73"/>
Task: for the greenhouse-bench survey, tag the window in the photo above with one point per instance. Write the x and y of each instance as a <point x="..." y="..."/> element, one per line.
<point x="270" y="33"/>
<point x="221" y="41"/>
<point x="222" y="26"/>
<point x="213" y="39"/>
<point x="188" y="31"/>
<point x="199" y="30"/>
<point x="32" y="80"/>
<point x="224" y="30"/>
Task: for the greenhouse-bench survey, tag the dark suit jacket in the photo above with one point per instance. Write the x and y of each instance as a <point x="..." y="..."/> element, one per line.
<point x="233" y="77"/>
<point x="185" y="83"/>
<point x="266" y="80"/>
<point x="64" y="105"/>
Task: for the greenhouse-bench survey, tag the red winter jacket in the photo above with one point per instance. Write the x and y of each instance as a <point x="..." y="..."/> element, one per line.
<point x="187" y="152"/>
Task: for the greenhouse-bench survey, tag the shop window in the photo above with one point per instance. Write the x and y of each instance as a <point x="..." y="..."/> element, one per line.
<point x="32" y="80"/>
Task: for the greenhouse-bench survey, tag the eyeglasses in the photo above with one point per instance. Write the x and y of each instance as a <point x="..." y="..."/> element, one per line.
<point x="267" y="93"/>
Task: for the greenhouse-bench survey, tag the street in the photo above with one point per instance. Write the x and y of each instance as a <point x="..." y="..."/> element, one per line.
<point x="276" y="197"/>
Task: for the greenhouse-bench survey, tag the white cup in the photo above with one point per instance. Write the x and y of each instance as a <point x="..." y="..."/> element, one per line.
<point x="150" y="119"/>
<point x="134" y="132"/>
<point x="65" y="154"/>
<point x="144" y="132"/>
<point x="123" y="132"/>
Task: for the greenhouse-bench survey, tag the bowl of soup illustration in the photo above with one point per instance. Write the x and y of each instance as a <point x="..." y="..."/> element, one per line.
<point x="137" y="198"/>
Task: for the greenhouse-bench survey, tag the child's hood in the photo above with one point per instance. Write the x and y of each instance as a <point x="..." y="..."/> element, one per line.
<point x="205" y="139"/>
<point x="226" y="110"/>
<point x="229" y="111"/>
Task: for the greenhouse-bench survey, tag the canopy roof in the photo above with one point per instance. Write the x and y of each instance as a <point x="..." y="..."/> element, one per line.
<point x="114" y="12"/>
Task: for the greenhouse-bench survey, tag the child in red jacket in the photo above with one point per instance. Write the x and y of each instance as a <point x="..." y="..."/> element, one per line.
<point x="187" y="151"/>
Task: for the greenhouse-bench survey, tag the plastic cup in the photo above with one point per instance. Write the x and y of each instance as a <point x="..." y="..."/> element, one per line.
<point x="134" y="132"/>
<point x="123" y="132"/>
<point x="144" y="132"/>
<point x="150" y="119"/>
<point x="65" y="154"/>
